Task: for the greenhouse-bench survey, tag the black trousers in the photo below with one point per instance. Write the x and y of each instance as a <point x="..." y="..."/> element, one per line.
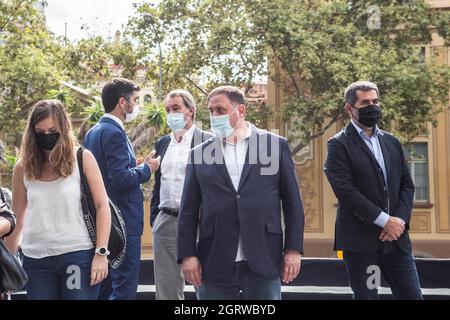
<point x="397" y="268"/>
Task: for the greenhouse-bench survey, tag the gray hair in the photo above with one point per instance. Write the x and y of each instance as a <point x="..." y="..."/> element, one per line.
<point x="188" y="99"/>
<point x="350" y="93"/>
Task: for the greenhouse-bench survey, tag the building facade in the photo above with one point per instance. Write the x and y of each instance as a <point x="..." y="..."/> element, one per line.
<point x="429" y="160"/>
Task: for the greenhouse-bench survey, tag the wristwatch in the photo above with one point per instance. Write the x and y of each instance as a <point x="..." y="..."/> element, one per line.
<point x="102" y="251"/>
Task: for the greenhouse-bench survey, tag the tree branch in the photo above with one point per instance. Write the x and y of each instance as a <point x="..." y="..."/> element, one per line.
<point x="196" y="85"/>
<point x="298" y="147"/>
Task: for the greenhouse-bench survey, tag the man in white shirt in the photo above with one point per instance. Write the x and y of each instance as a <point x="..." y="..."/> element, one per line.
<point x="235" y="202"/>
<point x="174" y="150"/>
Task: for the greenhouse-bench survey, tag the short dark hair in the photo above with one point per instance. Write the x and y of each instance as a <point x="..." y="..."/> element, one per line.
<point x="233" y="93"/>
<point x="350" y="93"/>
<point x="114" y="89"/>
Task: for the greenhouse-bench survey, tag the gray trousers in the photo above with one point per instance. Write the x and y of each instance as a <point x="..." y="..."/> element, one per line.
<point x="169" y="279"/>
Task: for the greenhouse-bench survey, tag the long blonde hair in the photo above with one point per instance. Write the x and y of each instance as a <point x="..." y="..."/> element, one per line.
<point x="62" y="156"/>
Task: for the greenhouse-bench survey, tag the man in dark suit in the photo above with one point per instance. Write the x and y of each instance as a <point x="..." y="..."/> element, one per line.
<point x="234" y="188"/>
<point x="174" y="150"/>
<point x="367" y="170"/>
<point x="122" y="177"/>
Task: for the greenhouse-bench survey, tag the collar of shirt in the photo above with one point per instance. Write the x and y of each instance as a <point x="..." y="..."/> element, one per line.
<point x="363" y="134"/>
<point x="186" y="137"/>
<point x="113" y="117"/>
<point x="247" y="135"/>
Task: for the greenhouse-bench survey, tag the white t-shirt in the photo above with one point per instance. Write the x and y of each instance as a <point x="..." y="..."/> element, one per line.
<point x="54" y="222"/>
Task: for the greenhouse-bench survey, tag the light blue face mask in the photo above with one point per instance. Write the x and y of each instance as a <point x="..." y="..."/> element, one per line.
<point x="221" y="126"/>
<point x="176" y="121"/>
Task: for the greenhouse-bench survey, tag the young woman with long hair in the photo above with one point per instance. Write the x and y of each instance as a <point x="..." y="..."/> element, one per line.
<point x="60" y="259"/>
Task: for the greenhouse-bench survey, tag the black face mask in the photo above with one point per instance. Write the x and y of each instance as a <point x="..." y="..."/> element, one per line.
<point x="369" y="116"/>
<point x="47" y="141"/>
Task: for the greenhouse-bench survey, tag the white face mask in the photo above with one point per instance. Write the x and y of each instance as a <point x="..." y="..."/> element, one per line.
<point x="133" y="115"/>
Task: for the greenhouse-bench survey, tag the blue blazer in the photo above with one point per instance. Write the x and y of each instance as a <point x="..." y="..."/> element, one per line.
<point x="211" y="203"/>
<point x="122" y="178"/>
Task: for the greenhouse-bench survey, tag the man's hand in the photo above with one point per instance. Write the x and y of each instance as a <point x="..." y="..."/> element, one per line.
<point x="393" y="229"/>
<point x="192" y="270"/>
<point x="152" y="162"/>
<point x="384" y="236"/>
<point x="291" y="265"/>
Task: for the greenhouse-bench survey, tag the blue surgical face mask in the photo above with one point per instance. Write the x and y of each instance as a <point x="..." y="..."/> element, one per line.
<point x="176" y="121"/>
<point x="221" y="125"/>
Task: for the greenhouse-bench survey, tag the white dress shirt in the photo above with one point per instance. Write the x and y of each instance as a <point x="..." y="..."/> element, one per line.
<point x="234" y="156"/>
<point x="173" y="170"/>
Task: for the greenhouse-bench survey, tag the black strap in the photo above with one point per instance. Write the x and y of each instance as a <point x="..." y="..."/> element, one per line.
<point x="80" y="165"/>
<point x="169" y="211"/>
<point x="9" y="215"/>
<point x="3" y="196"/>
<point x="87" y="214"/>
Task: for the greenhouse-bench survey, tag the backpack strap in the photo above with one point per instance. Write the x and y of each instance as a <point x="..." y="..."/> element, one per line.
<point x="3" y="196"/>
<point x="80" y="165"/>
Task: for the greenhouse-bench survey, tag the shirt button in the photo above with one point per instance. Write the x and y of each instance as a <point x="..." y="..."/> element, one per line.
<point x="238" y="196"/>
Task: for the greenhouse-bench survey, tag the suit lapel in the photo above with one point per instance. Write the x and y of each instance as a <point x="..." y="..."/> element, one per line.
<point x="197" y="138"/>
<point x="354" y="136"/>
<point x="252" y="143"/>
<point x="219" y="162"/>
<point x="164" y="144"/>
<point x="385" y="151"/>
<point x="351" y="131"/>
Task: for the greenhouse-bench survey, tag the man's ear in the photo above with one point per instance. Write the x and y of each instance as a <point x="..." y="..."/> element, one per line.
<point x="347" y="107"/>
<point x="242" y="109"/>
<point x="192" y="110"/>
<point x="120" y="102"/>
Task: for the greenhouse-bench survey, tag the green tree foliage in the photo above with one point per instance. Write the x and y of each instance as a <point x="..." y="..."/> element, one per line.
<point x="320" y="46"/>
<point x="204" y="44"/>
<point x="324" y="46"/>
<point x="84" y="63"/>
<point x="26" y="69"/>
<point x="33" y="62"/>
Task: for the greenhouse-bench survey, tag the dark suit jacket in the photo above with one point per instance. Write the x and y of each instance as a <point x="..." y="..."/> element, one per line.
<point x="161" y="148"/>
<point x="122" y="178"/>
<point x="253" y="211"/>
<point x="359" y="185"/>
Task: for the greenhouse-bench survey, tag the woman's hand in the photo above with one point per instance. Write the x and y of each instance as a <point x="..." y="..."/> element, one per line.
<point x="99" y="269"/>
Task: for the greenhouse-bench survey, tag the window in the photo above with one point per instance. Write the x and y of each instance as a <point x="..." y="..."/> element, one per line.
<point x="422" y="55"/>
<point x="417" y="157"/>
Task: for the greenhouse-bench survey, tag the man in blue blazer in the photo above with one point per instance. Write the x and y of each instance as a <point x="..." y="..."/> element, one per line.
<point x="122" y="177"/>
<point x="235" y="188"/>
